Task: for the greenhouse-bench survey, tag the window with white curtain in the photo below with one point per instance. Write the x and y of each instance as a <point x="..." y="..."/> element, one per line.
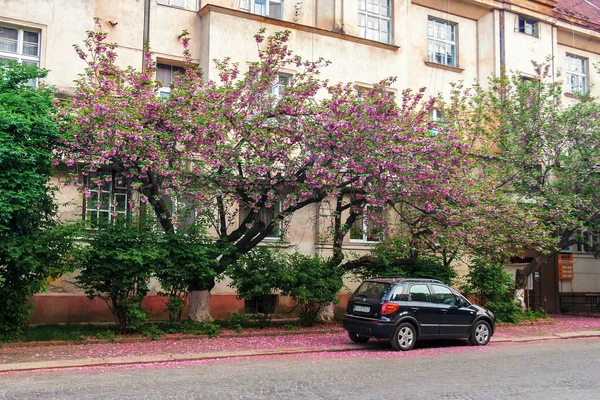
<point x="19" y="44"/>
<point x="442" y="42"/>
<point x="576" y="74"/>
<point x="266" y="8"/>
<point x="375" y="20"/>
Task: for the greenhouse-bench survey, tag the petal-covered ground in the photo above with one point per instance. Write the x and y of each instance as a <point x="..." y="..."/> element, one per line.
<point x="560" y="324"/>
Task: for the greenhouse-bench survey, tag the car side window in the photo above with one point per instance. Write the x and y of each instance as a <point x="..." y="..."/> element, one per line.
<point x="445" y="295"/>
<point x="397" y="295"/>
<point x="419" y="293"/>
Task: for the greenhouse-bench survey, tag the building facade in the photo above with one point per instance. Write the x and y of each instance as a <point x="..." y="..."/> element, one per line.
<point x="424" y="43"/>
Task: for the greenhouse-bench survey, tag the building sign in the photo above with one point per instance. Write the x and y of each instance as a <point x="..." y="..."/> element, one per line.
<point x="565" y="266"/>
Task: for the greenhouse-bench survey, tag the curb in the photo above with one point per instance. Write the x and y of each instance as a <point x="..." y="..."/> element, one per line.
<point x="151" y="359"/>
<point x="142" y="339"/>
<point x="99" y="362"/>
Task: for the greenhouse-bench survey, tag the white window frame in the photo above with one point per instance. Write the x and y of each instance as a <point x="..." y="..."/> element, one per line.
<point x="449" y="28"/>
<point x="191" y="5"/>
<point x="581" y="77"/>
<point x="532" y="24"/>
<point x="279" y="86"/>
<point x="250" y="6"/>
<point x="372" y="19"/>
<point x="114" y="189"/>
<point x="365" y="227"/>
<point x="19" y="55"/>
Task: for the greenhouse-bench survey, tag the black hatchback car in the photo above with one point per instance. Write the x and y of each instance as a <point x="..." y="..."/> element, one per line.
<point x="406" y="310"/>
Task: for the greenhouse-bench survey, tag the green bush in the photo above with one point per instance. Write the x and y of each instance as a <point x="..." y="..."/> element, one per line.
<point x="312" y="282"/>
<point x="116" y="267"/>
<point x="258" y="273"/>
<point x="188" y="257"/>
<point x="32" y="248"/>
<point x="489" y="282"/>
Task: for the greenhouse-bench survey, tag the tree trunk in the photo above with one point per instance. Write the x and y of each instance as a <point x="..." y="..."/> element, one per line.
<point x="327" y="312"/>
<point x="199" y="307"/>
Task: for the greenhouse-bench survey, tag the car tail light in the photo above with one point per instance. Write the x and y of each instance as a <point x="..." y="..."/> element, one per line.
<point x="388" y="308"/>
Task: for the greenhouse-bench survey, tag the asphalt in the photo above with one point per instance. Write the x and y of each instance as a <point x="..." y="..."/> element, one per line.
<point x="164" y="358"/>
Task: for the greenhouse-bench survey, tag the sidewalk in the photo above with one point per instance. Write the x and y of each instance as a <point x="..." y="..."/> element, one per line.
<point x="179" y="350"/>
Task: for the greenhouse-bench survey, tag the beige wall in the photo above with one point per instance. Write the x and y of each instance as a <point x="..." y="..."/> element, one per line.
<point x="218" y="34"/>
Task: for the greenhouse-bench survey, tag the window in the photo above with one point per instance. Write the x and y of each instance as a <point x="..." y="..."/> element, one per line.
<point x="282" y="81"/>
<point x="436" y="114"/>
<point x="589" y="242"/>
<point x="528" y="26"/>
<point x="191" y="5"/>
<point x="375" y="20"/>
<point x="419" y="293"/>
<point x="261" y="304"/>
<point x="264" y="218"/>
<point x="442" y="42"/>
<point x="106" y="200"/>
<point x="397" y="296"/>
<point x="20" y="45"/>
<point x="368" y="228"/>
<point x="165" y="73"/>
<point x="576" y="68"/>
<point x="266" y="8"/>
<point x="444" y="295"/>
<point x="372" y="290"/>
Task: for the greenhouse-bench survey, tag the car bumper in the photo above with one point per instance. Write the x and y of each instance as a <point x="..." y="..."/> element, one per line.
<point x="368" y="326"/>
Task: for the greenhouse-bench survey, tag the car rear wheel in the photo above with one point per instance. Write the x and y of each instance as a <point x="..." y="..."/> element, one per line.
<point x="404" y="337"/>
<point x="481" y="334"/>
<point x="357" y="338"/>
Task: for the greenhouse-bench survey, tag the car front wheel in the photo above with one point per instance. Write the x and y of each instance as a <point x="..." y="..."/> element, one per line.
<point x="356" y="338"/>
<point x="404" y="337"/>
<point x="481" y="334"/>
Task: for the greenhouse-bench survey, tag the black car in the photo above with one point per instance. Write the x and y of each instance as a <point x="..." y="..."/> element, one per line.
<point x="406" y="310"/>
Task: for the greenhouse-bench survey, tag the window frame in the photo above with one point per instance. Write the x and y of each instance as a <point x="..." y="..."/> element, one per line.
<point x="582" y="75"/>
<point x="438" y="300"/>
<point x="250" y="6"/>
<point x="166" y="89"/>
<point x="430" y="39"/>
<point x="275" y="234"/>
<point x="429" y="290"/>
<point x="364" y="228"/>
<point x="20" y="56"/>
<point x="533" y="22"/>
<point x="365" y="13"/>
<point x="113" y="192"/>
<point x="195" y="7"/>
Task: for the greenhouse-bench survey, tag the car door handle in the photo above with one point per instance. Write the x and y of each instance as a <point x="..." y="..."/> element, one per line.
<point x="415" y="309"/>
<point x="444" y="311"/>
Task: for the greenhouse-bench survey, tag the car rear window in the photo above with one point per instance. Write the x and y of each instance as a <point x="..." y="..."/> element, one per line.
<point x="372" y="290"/>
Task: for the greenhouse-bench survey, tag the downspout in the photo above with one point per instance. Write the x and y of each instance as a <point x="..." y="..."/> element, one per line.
<point x="502" y="44"/>
<point x="146" y="33"/>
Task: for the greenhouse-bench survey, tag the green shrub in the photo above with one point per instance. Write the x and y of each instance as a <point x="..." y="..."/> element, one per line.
<point x="188" y="257"/>
<point x="489" y="282"/>
<point x="116" y="267"/>
<point x="258" y="273"/>
<point x="312" y="282"/>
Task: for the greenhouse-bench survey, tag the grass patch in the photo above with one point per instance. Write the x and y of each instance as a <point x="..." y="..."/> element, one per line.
<point x="66" y="332"/>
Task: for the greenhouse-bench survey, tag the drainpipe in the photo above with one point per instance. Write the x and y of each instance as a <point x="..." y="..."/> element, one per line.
<point x="146" y="33"/>
<point x="502" y="44"/>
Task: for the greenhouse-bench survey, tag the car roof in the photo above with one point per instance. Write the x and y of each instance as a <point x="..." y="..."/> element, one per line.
<point x="388" y="279"/>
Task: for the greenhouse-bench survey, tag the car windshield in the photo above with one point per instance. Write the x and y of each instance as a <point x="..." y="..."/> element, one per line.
<point x="372" y="290"/>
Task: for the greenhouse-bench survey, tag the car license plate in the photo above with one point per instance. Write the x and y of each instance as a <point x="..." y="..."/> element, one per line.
<point x="362" y="309"/>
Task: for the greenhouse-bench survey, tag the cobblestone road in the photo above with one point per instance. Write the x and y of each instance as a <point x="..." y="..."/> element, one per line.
<point x="562" y="369"/>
